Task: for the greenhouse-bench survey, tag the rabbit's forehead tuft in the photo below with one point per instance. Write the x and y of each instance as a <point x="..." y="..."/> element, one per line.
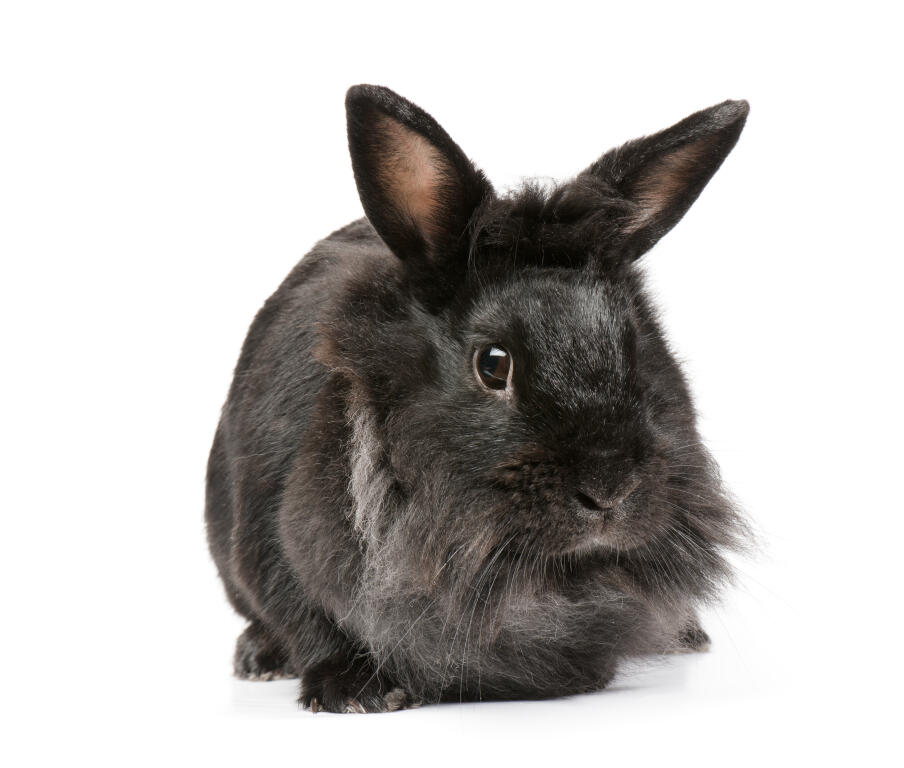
<point x="561" y="318"/>
<point x="557" y="301"/>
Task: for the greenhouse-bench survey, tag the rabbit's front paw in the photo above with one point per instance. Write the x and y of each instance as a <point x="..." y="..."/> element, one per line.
<point x="341" y="685"/>
<point x="693" y="639"/>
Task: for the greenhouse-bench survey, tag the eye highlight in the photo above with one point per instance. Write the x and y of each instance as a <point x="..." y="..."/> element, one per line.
<point x="493" y="367"/>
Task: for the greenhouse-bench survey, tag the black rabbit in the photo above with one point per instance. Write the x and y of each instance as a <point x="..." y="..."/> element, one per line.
<point x="457" y="460"/>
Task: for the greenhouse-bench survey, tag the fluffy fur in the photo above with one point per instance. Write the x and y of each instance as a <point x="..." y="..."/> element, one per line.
<point x="397" y="533"/>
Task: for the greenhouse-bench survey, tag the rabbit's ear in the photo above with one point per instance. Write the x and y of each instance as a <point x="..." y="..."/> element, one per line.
<point x="417" y="187"/>
<point x="662" y="175"/>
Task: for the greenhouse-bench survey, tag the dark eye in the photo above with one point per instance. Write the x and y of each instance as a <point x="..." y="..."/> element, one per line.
<point x="493" y="366"/>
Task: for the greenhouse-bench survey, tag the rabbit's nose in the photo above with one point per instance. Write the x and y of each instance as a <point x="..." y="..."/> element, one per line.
<point x="599" y="501"/>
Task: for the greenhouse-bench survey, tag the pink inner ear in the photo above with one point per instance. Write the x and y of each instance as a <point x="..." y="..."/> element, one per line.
<point x="663" y="181"/>
<point x="411" y="173"/>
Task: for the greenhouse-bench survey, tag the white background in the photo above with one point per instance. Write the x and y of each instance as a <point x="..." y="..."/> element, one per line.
<point x="162" y="167"/>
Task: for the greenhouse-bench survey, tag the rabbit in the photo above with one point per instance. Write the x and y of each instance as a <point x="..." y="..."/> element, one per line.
<point x="457" y="461"/>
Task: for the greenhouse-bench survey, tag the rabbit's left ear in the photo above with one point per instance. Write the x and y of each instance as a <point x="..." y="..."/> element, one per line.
<point x="417" y="187"/>
<point x="660" y="176"/>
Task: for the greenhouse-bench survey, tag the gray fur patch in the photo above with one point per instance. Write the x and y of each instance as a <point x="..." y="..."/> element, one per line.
<point x="369" y="485"/>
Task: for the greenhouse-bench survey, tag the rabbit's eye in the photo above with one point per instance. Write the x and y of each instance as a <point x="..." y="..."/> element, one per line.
<point x="493" y="366"/>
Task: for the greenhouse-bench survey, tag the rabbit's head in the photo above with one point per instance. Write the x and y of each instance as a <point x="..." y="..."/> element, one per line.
<point x="516" y="413"/>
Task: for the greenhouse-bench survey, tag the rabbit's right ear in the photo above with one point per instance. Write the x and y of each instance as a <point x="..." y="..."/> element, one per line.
<point x="418" y="189"/>
<point x="660" y="176"/>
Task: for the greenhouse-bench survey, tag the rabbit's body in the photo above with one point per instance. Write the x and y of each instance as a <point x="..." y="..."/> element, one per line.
<point x="400" y="526"/>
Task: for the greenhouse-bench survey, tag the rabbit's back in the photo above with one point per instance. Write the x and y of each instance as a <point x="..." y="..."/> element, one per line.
<point x="270" y="408"/>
